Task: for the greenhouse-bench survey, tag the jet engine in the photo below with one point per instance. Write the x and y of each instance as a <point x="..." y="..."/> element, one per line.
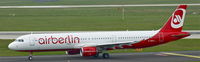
<point x="88" y="51"/>
<point x="72" y="52"/>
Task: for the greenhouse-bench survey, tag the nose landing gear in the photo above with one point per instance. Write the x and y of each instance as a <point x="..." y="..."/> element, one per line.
<point x="30" y="56"/>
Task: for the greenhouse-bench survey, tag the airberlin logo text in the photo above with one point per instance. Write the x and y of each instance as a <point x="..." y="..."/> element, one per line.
<point x="58" y="40"/>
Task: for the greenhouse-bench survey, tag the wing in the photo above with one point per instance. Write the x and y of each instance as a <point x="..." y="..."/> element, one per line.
<point x="109" y="45"/>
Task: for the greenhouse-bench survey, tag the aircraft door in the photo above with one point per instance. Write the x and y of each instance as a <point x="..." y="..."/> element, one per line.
<point x="31" y="40"/>
<point x="114" y="38"/>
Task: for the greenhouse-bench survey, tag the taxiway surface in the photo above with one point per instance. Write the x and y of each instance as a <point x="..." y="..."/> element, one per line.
<point x="179" y="56"/>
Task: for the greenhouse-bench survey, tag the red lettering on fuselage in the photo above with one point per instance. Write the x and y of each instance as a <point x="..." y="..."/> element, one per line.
<point x="58" y="40"/>
<point x="41" y="41"/>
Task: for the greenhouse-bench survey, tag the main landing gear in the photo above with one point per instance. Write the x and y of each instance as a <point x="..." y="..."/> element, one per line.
<point x="104" y="55"/>
<point x="30" y="56"/>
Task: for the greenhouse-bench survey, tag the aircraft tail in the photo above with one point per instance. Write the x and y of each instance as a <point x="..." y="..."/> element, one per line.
<point x="176" y="20"/>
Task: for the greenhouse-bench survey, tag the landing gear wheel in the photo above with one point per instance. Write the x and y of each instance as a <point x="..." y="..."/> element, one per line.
<point x="106" y="55"/>
<point x="97" y="55"/>
<point x="30" y="58"/>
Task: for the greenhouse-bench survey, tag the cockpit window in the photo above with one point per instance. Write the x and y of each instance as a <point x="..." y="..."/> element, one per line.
<point x="20" y="40"/>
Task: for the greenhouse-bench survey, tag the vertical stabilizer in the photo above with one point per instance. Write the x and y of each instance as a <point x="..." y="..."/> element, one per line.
<point x="176" y="20"/>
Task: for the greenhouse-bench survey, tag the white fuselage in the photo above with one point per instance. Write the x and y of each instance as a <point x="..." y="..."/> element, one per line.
<point x="78" y="40"/>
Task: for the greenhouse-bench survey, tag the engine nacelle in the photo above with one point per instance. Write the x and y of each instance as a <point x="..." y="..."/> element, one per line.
<point x="72" y="52"/>
<point x="88" y="51"/>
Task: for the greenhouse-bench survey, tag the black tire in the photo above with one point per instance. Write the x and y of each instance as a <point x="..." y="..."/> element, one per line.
<point x="106" y="55"/>
<point x="30" y="58"/>
<point x="97" y="55"/>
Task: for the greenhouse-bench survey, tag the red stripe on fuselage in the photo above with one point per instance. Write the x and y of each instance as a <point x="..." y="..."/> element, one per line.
<point x="160" y="38"/>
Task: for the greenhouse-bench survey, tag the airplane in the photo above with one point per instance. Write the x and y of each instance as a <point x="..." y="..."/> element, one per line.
<point x="96" y="43"/>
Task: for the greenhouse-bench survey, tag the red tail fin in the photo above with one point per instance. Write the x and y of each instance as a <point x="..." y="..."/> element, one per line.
<point x="176" y="20"/>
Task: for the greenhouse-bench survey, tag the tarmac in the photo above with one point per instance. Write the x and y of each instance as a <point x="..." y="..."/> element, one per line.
<point x="178" y="56"/>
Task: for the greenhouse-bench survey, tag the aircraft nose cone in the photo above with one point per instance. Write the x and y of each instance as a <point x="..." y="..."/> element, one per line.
<point x="11" y="46"/>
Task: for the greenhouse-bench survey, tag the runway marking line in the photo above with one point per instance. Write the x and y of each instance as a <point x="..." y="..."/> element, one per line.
<point x="176" y="54"/>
